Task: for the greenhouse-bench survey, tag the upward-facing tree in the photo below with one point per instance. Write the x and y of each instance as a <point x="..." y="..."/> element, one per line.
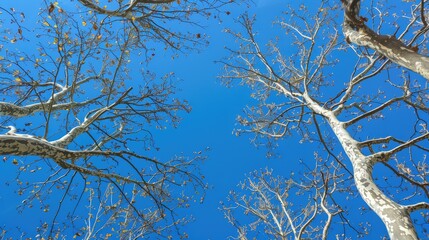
<point x="78" y="108"/>
<point x="350" y="75"/>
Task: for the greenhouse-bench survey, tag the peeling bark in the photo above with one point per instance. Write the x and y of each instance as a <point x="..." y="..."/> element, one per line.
<point x="390" y="47"/>
<point x="395" y="217"/>
<point x="20" y="145"/>
<point x="28" y="146"/>
<point x="82" y="120"/>
<point x="355" y="31"/>
<point x="273" y="72"/>
<point x="9" y="109"/>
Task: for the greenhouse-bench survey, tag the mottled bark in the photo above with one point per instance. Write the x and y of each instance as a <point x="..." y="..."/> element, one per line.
<point x="355" y="31"/>
<point x="395" y="217"/>
<point x="10" y="109"/>
<point x="26" y="145"/>
<point x="68" y="107"/>
<point x="19" y="145"/>
<point x="390" y="47"/>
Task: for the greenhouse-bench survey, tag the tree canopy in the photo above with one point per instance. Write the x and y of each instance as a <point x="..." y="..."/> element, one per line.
<point x="82" y="103"/>
<point x="335" y="83"/>
<point x="78" y="110"/>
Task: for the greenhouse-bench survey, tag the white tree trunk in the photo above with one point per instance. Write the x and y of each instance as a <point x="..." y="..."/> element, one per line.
<point x="395" y="217"/>
<point x="390" y="47"/>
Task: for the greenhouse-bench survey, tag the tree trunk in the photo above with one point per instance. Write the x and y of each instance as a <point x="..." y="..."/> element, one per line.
<point x="394" y="216"/>
<point x="389" y="47"/>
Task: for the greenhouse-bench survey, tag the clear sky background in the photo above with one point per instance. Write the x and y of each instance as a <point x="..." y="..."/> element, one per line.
<point x="212" y="121"/>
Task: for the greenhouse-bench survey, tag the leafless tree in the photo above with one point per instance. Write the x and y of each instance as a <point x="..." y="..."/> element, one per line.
<point x="161" y="20"/>
<point x="363" y="92"/>
<point x="299" y="207"/>
<point x="78" y="109"/>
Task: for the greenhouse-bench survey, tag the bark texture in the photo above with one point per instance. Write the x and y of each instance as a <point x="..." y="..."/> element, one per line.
<point x="395" y="216"/>
<point x="303" y="74"/>
<point x="390" y="47"/>
<point x="356" y="31"/>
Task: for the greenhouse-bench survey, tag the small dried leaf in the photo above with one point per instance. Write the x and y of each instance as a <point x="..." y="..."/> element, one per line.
<point x="51" y="8"/>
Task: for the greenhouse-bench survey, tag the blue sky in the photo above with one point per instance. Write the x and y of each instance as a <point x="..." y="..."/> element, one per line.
<point x="211" y="123"/>
<point x="213" y="119"/>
